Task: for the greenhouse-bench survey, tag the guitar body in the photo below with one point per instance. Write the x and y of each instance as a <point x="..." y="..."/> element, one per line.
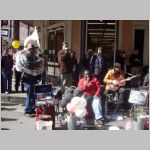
<point x="113" y="87"/>
<point x="118" y="84"/>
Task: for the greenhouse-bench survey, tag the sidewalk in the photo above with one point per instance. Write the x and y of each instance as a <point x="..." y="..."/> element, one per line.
<point x="12" y="118"/>
<point x="12" y="115"/>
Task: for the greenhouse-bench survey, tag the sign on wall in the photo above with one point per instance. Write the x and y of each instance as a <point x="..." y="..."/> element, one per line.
<point x="5" y="32"/>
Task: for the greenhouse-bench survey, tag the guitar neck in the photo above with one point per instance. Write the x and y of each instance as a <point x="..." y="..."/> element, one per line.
<point x="128" y="79"/>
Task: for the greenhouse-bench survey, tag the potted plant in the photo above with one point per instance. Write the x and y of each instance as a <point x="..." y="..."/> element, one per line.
<point x="138" y="116"/>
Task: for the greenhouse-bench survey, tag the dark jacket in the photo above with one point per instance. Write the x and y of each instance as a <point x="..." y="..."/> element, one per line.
<point x="64" y="61"/>
<point x="99" y="64"/>
<point x="135" y="60"/>
<point x="7" y="62"/>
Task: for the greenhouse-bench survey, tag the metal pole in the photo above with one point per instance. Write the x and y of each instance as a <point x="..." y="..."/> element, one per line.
<point x="10" y="28"/>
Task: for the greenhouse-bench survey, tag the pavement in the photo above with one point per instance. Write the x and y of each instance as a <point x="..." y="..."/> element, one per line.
<point x="12" y="116"/>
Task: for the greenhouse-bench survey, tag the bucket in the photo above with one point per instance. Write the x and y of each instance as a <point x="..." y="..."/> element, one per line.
<point x="72" y="122"/>
<point x="44" y="125"/>
<point x="139" y="124"/>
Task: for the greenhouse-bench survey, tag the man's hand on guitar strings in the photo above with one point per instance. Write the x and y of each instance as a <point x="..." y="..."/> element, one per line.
<point x="115" y="82"/>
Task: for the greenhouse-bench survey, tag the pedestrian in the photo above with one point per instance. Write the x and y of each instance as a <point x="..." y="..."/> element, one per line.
<point x="29" y="80"/>
<point x="7" y="66"/>
<point x="17" y="74"/>
<point x="135" y="63"/>
<point x="98" y="65"/>
<point x="121" y="58"/>
<point x="75" y="70"/>
<point x="65" y="63"/>
<point x="136" y="68"/>
<point x="87" y="59"/>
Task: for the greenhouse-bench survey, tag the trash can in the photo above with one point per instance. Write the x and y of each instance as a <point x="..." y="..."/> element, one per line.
<point x="72" y="122"/>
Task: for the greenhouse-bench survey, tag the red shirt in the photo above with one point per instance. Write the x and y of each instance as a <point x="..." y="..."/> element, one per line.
<point x="93" y="87"/>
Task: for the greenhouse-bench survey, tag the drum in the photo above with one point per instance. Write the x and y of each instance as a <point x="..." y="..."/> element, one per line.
<point x="138" y="97"/>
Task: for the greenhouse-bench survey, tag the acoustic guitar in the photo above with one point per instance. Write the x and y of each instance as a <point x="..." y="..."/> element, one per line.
<point x="118" y="84"/>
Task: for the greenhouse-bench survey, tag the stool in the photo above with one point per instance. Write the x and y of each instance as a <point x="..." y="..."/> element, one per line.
<point x="112" y="98"/>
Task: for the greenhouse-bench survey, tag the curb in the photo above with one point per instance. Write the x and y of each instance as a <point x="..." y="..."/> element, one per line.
<point x="13" y="98"/>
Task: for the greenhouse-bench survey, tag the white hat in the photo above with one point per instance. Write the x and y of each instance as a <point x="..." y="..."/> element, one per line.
<point x="32" y="40"/>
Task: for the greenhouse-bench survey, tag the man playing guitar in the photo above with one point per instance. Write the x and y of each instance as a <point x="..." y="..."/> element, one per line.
<point x="114" y="80"/>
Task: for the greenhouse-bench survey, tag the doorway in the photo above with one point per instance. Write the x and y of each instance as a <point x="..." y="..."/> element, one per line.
<point x="103" y="33"/>
<point x="139" y="42"/>
<point x="55" y="39"/>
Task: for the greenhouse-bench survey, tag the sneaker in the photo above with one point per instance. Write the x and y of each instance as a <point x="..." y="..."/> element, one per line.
<point x="99" y="122"/>
<point x="106" y="120"/>
<point x="6" y="92"/>
<point x="29" y="115"/>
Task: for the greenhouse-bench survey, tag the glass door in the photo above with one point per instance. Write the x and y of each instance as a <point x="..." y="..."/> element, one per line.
<point x="103" y="33"/>
<point x="55" y="39"/>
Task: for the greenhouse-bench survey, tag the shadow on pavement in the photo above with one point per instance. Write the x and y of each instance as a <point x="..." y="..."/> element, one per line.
<point x="8" y="109"/>
<point x="8" y="104"/>
<point x="5" y="129"/>
<point x="8" y="119"/>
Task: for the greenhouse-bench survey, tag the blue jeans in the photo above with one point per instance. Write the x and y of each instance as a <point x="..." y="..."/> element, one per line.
<point x="30" y="99"/>
<point x="7" y="80"/>
<point x="95" y="105"/>
<point x="97" y="108"/>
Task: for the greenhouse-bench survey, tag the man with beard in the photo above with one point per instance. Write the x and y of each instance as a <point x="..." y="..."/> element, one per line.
<point x="114" y="80"/>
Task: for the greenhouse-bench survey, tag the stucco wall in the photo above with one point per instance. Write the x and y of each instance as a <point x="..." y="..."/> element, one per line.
<point x="127" y="36"/>
<point x="76" y="38"/>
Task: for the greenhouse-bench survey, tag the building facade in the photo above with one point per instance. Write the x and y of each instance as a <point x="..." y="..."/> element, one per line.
<point x="112" y="35"/>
